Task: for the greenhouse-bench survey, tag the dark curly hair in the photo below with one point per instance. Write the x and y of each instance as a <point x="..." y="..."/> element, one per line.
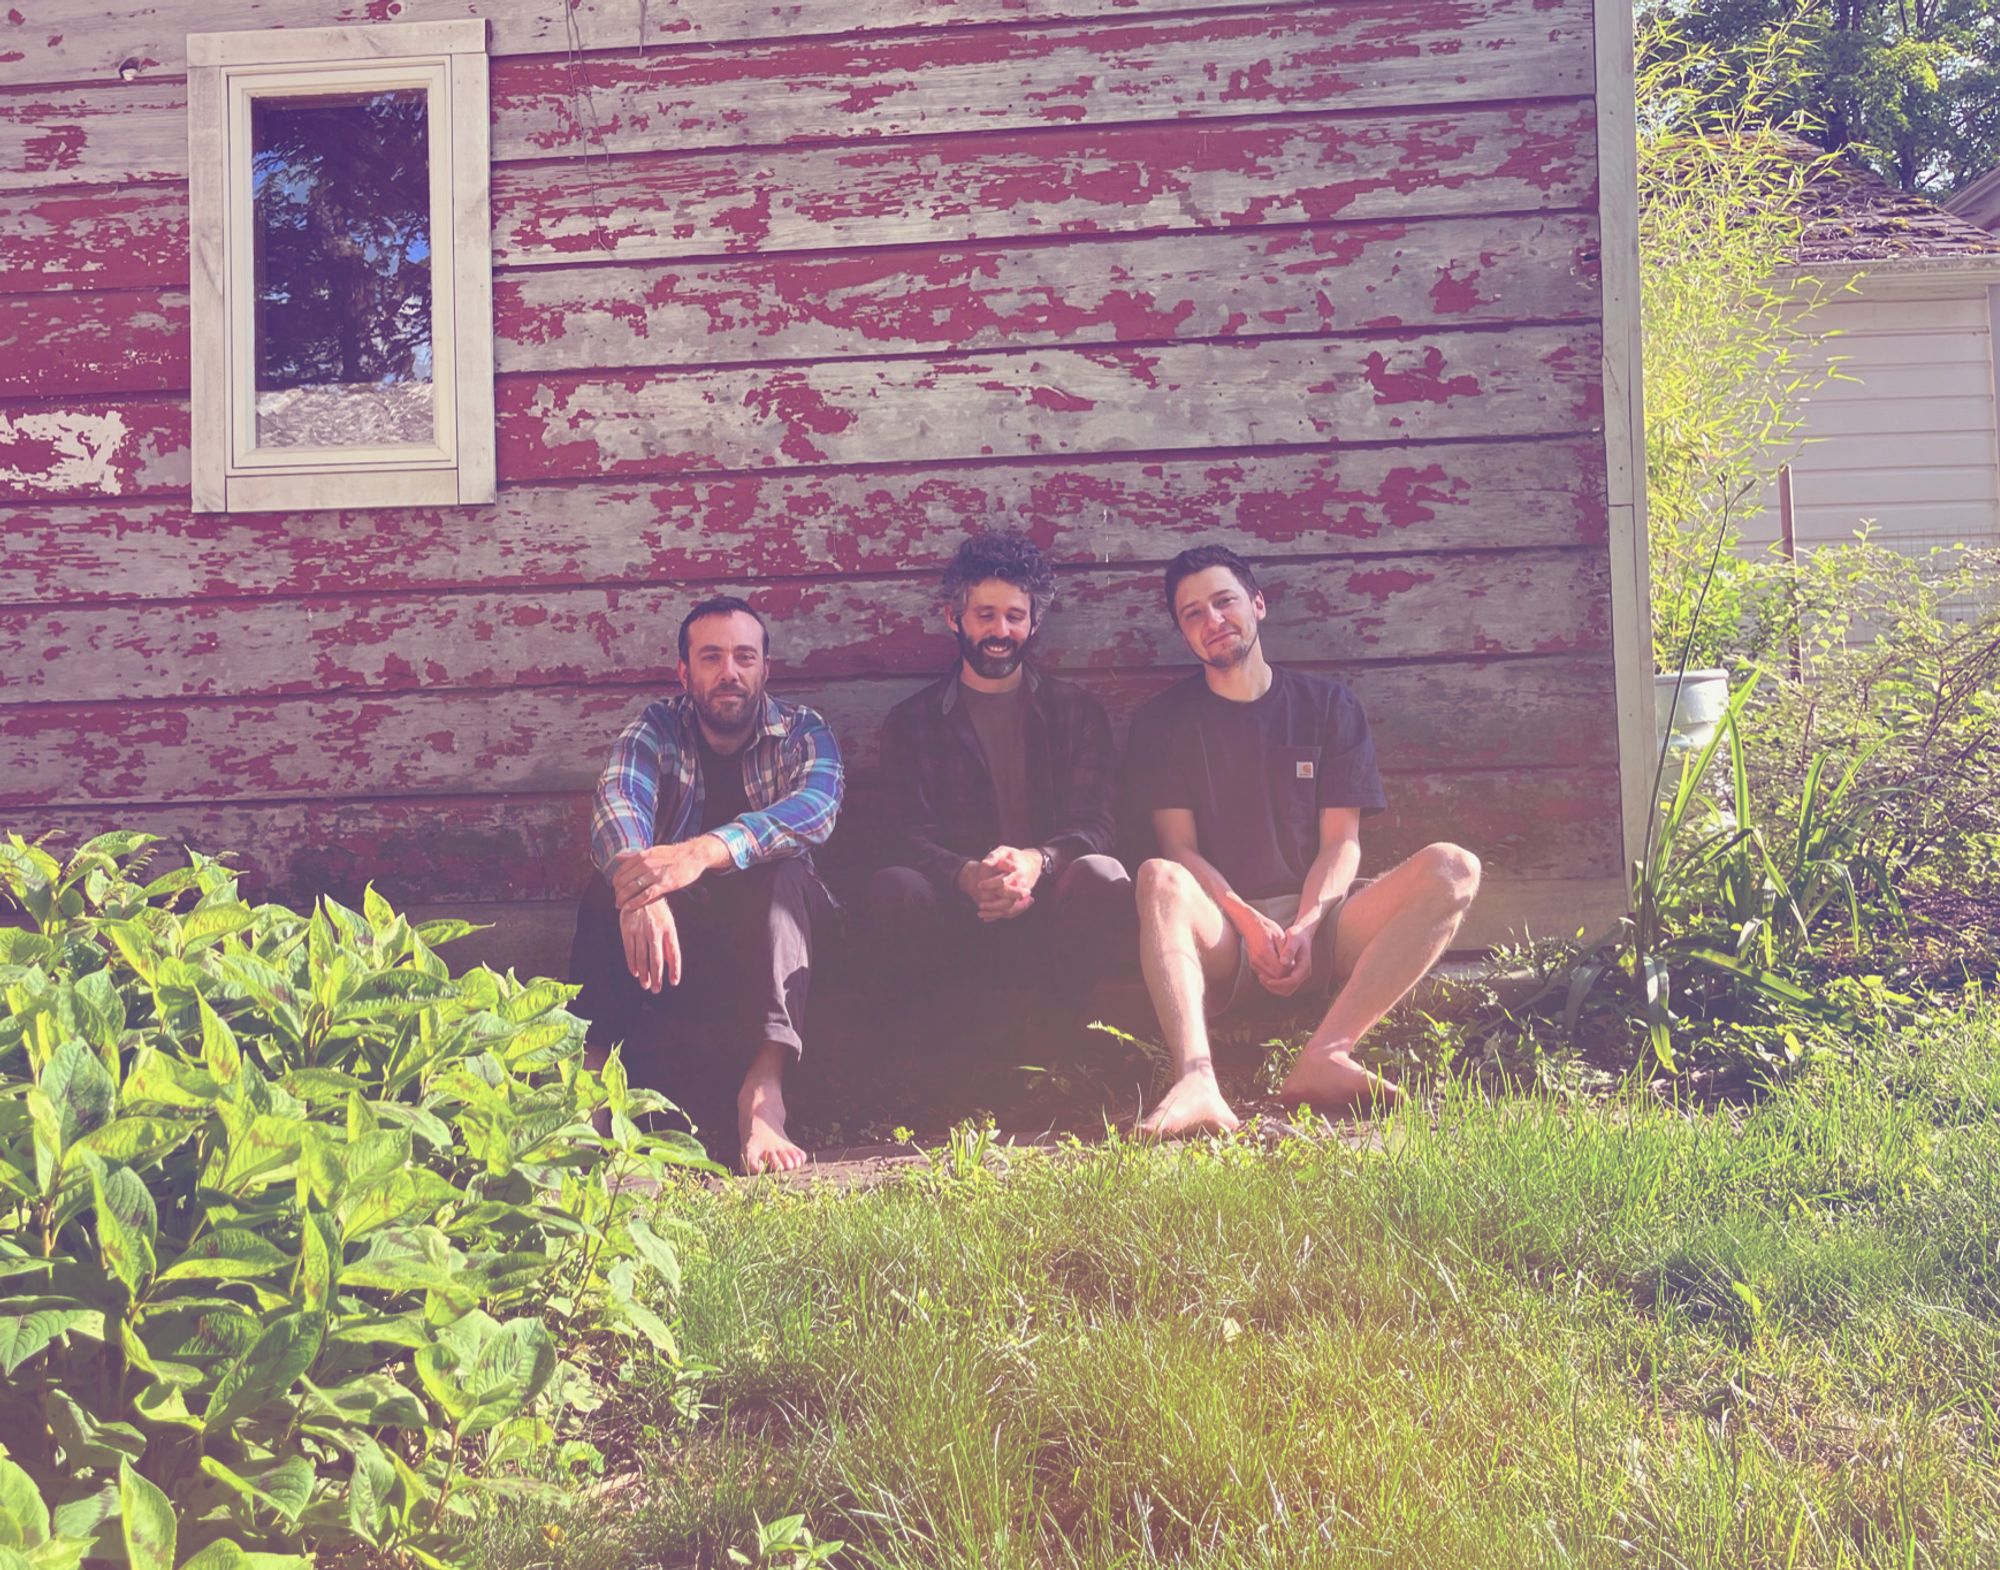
<point x="1010" y="556"/>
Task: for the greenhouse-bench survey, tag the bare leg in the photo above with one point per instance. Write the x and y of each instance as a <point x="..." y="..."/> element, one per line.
<point x="1185" y="945"/>
<point x="760" y="1113"/>
<point x="1390" y="935"/>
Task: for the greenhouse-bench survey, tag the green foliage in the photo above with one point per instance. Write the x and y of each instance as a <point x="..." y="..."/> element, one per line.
<point x="1731" y="348"/>
<point x="292" y="1223"/>
<point x="1911" y="86"/>
<point x="1898" y="676"/>
<point x="1724" y="910"/>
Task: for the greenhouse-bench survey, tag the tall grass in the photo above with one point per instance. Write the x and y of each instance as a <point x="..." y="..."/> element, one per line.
<point x="1522" y="1332"/>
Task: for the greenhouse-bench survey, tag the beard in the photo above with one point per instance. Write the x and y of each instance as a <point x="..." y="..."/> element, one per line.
<point x="1230" y="655"/>
<point x="729" y="709"/>
<point x="986" y="662"/>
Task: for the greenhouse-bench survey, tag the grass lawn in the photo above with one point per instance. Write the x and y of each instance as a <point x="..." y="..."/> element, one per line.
<point x="1521" y="1331"/>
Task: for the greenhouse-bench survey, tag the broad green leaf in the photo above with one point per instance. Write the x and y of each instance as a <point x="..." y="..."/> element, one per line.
<point x="22" y="1336"/>
<point x="30" y="875"/>
<point x="24" y="1519"/>
<point x="319" y="1261"/>
<point x="81" y="1517"/>
<point x="536" y="1000"/>
<point x="100" y="1010"/>
<point x="366" y="1401"/>
<point x="204" y="926"/>
<point x="137" y="1141"/>
<point x="224" y="1554"/>
<point x="19" y="946"/>
<point x="227" y="1254"/>
<point x="279" y="1357"/>
<point x="378" y="910"/>
<point x="79" y="1088"/>
<point x="58" y="1553"/>
<point x="435" y="934"/>
<point x="283" y="1489"/>
<point x="319" y="1086"/>
<point x="219" y="1053"/>
<point x="371" y="1493"/>
<point x="146" y="1520"/>
<point x="126" y="1223"/>
<point x="655" y="1251"/>
<point x="267" y="1144"/>
<point x="136" y="946"/>
<point x="114" y="846"/>
<point x="88" y="1442"/>
<point x="155" y="1076"/>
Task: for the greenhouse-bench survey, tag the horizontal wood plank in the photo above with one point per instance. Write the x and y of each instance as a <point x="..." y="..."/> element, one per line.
<point x="1366" y="54"/>
<point x="920" y="191"/>
<point x="1083" y="180"/>
<point x="90" y="447"/>
<point x="51" y="41"/>
<point x="1395" y="607"/>
<point x="1489" y="714"/>
<point x="94" y="344"/>
<point x="1526" y="382"/>
<point x="1324" y="279"/>
<point x="1408" y="498"/>
<point x="128" y="237"/>
<point x="1529" y="822"/>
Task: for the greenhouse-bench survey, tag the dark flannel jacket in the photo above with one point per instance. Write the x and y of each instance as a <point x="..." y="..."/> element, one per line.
<point x="946" y="812"/>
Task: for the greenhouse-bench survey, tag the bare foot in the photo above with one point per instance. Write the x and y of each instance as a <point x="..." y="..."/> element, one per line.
<point x="1329" y="1081"/>
<point x="1193" y="1106"/>
<point x="760" y="1122"/>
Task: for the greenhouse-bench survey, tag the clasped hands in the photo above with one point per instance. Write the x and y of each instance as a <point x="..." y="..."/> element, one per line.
<point x="641" y="880"/>
<point x="1001" y="884"/>
<point x="1280" y="957"/>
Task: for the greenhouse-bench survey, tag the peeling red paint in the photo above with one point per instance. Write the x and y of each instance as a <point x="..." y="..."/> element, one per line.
<point x="1382" y="585"/>
<point x="1427" y="384"/>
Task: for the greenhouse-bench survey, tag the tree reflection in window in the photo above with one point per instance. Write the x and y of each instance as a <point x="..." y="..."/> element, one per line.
<point x="340" y="190"/>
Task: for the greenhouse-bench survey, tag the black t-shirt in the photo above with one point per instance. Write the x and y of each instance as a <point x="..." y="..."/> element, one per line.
<point x="1256" y="774"/>
<point x="722" y="794"/>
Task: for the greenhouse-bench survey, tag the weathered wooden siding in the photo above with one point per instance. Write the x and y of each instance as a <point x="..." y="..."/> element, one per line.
<point x="782" y="305"/>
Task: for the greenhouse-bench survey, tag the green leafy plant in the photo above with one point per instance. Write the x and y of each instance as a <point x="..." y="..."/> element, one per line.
<point x="1732" y="341"/>
<point x="786" y="1543"/>
<point x="1717" y="903"/>
<point x="297" y="1225"/>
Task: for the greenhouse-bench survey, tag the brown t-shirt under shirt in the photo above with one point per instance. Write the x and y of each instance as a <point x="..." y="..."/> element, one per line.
<point x="1000" y="721"/>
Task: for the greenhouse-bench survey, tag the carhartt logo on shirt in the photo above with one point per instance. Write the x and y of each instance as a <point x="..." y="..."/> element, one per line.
<point x="1304" y="770"/>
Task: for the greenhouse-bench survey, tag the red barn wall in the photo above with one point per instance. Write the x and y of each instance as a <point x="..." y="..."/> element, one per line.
<point x="785" y="299"/>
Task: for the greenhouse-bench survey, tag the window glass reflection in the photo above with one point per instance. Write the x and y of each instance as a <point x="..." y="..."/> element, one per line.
<point x="340" y="195"/>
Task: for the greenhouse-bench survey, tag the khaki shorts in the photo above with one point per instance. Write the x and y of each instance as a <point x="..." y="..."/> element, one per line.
<point x="1244" y="994"/>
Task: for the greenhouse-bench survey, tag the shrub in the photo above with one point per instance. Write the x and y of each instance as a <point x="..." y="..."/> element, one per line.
<point x="304" y="1237"/>
<point x="1731" y="342"/>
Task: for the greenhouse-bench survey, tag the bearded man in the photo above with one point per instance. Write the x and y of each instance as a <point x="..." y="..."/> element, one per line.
<point x="707" y="902"/>
<point x="1002" y="778"/>
<point x="1257" y="778"/>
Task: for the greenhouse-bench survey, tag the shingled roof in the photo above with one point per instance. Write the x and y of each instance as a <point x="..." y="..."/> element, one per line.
<point x="1853" y="215"/>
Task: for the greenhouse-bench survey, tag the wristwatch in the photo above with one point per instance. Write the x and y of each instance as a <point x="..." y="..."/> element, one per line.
<point x="1048" y="861"/>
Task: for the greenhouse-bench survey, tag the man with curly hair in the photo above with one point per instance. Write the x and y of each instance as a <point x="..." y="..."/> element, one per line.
<point x="1003" y="781"/>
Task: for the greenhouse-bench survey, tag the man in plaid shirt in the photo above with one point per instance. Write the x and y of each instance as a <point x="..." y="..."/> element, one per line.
<point x="705" y="820"/>
<point x="1003" y="781"/>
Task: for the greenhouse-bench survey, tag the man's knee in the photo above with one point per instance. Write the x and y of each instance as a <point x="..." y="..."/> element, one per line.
<point x="903" y="892"/>
<point x="1166" y="889"/>
<point x="1453" y="872"/>
<point x="1095" y="880"/>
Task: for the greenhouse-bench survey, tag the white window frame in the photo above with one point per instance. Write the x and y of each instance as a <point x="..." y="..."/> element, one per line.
<point x="447" y="60"/>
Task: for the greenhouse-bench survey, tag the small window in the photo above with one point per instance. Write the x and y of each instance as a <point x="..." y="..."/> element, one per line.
<point x="341" y="269"/>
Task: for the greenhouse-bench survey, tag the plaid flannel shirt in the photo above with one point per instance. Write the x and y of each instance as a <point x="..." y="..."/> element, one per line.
<point x="947" y="813"/>
<point x="650" y="791"/>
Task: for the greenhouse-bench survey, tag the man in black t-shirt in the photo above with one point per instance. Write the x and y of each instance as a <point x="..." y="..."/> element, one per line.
<point x="1257" y="778"/>
<point x="1003" y="779"/>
